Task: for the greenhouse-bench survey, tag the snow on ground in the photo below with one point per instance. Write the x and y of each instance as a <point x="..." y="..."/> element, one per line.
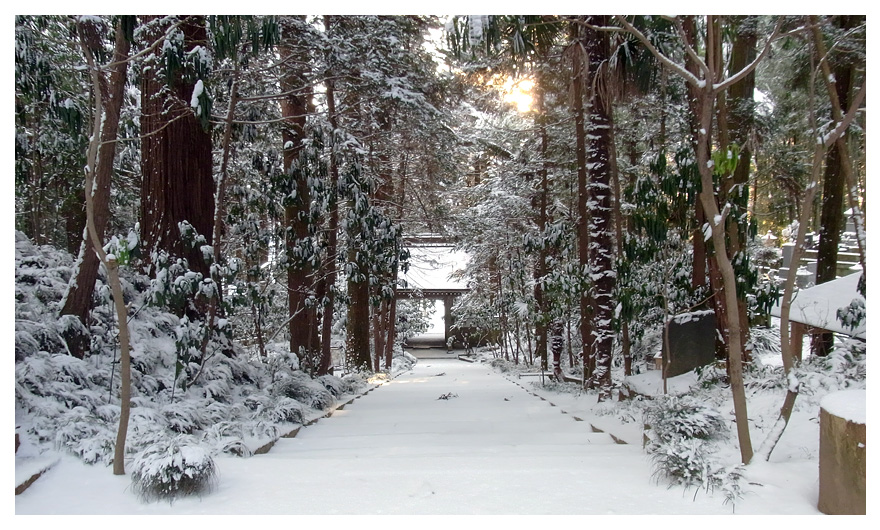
<point x="490" y="447"/>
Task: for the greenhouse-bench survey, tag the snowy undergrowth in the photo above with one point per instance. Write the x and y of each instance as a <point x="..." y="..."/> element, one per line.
<point x="683" y="435"/>
<point x="172" y="468"/>
<point x="237" y="403"/>
<point x="692" y="439"/>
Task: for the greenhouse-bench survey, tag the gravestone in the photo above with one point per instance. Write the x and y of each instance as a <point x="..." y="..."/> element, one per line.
<point x="691" y="342"/>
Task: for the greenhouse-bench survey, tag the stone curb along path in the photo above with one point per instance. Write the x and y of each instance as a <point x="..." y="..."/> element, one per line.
<point x="616" y="439"/>
<point x="29" y="470"/>
<point x="318" y="416"/>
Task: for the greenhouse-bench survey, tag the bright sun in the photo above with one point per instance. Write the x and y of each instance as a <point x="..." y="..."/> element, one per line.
<point x="518" y="92"/>
<point x="514" y="91"/>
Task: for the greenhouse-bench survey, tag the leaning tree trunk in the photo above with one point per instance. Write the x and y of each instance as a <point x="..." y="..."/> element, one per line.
<point x="834" y="187"/>
<point x="78" y="300"/>
<point x="86" y="31"/>
<point x="790" y="344"/>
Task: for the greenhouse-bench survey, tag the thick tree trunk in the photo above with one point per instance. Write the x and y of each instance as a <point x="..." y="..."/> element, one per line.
<point x="358" y="329"/>
<point x="739" y="110"/>
<point x="78" y="300"/>
<point x="294" y="108"/>
<point x="600" y="138"/>
<point x="178" y="180"/>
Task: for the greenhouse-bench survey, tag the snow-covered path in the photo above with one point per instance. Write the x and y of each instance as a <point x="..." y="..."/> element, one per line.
<point x="490" y="448"/>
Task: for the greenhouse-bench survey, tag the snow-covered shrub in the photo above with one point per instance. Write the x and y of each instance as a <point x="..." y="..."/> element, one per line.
<point x="336" y="386"/>
<point x="852" y="315"/>
<point x="683" y="417"/>
<point x="172" y="468"/>
<point x="184" y="417"/>
<point x="283" y="409"/>
<point x="500" y="364"/>
<point x="402" y="361"/>
<point x="845" y="367"/>
<point x="712" y="375"/>
<point x="227" y="437"/>
<point x="86" y="436"/>
<point x="764" y="341"/>
<point x="680" y="433"/>
<point x="299" y="386"/>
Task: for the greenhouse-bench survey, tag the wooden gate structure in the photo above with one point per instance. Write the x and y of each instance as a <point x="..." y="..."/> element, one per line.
<point x="433" y="275"/>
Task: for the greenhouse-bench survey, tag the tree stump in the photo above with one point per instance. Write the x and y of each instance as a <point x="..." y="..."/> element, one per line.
<point x="842" y="456"/>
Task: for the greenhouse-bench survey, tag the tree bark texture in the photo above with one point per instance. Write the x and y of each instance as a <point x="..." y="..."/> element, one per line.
<point x="542" y="312"/>
<point x="178" y="181"/>
<point x="358" y="329"/>
<point x="304" y="336"/>
<point x="600" y="138"/>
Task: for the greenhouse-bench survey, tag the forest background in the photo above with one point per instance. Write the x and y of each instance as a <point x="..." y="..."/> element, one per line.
<point x="254" y="178"/>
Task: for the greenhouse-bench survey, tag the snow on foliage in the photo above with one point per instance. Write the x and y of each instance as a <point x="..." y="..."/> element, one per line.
<point x="237" y="403"/>
<point x="171" y="468"/>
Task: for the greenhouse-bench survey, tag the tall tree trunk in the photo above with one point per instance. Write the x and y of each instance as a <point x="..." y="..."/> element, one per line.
<point x="625" y="342"/>
<point x="78" y="300"/>
<point x="328" y="276"/>
<point x="600" y="137"/>
<point x="178" y="179"/>
<point x="392" y="310"/>
<point x="383" y="196"/>
<point x="578" y="80"/>
<point x="541" y="306"/>
<point x="294" y="108"/>
<point x="358" y="328"/>
<point x="740" y="117"/>
<point x="833" y="190"/>
<point x="556" y="344"/>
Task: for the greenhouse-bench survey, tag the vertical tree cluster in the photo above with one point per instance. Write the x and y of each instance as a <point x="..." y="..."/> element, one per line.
<point x="263" y="171"/>
<point x="261" y="156"/>
<point x="673" y="141"/>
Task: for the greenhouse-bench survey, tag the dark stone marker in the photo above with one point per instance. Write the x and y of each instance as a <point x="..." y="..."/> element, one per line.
<point x="691" y="342"/>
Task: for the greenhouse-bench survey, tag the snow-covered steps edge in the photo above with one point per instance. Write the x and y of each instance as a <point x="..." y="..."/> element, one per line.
<point x="617" y="439"/>
<point x="29" y="469"/>
<point x="317" y="416"/>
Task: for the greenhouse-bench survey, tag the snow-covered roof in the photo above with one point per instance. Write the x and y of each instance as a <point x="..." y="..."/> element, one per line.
<point x="433" y="267"/>
<point x="817" y="306"/>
